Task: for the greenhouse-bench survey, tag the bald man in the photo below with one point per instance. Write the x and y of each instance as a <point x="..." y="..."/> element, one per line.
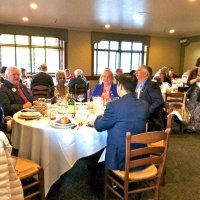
<point x="13" y="95"/>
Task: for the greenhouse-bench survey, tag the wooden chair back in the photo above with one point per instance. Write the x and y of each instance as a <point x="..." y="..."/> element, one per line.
<point x="41" y="91"/>
<point x="81" y="89"/>
<point x="176" y="101"/>
<point x="32" y="178"/>
<point x="152" y="156"/>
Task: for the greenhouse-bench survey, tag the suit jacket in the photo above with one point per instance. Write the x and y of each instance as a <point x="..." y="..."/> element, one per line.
<point x="152" y="95"/>
<point x="122" y="115"/>
<point x="42" y="78"/>
<point x="98" y="89"/>
<point x="10" y="98"/>
<point x="73" y="81"/>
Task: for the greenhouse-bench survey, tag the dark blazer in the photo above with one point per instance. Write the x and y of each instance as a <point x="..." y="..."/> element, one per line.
<point x="3" y="124"/>
<point x="73" y="81"/>
<point x="10" y="99"/>
<point x="151" y="93"/>
<point x="122" y="115"/>
<point x="42" y="78"/>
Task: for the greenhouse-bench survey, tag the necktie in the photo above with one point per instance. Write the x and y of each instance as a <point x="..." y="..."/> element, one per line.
<point x="139" y="90"/>
<point x="21" y="94"/>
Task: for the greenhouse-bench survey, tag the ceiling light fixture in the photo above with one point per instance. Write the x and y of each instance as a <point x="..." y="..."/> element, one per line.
<point x="34" y="6"/>
<point x="107" y="26"/>
<point x="25" y="19"/>
<point x="172" y="31"/>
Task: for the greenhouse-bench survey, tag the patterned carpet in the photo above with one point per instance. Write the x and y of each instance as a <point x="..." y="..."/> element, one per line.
<point x="182" y="178"/>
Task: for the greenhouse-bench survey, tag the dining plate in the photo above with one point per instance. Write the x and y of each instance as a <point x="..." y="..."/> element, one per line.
<point x="62" y="126"/>
<point x="29" y="114"/>
<point x="30" y="117"/>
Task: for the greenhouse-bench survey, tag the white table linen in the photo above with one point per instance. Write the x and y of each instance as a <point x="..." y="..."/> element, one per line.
<point x="56" y="150"/>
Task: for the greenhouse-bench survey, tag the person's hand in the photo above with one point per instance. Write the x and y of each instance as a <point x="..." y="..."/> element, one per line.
<point x="27" y="105"/>
<point x="7" y="118"/>
<point x="9" y="125"/>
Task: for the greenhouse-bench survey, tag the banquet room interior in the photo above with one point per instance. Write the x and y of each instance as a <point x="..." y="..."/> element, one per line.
<point x="169" y="31"/>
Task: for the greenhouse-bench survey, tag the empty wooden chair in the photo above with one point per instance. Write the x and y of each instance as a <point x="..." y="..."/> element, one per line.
<point x="42" y="91"/>
<point x="176" y="101"/>
<point x="130" y="182"/>
<point x="32" y="178"/>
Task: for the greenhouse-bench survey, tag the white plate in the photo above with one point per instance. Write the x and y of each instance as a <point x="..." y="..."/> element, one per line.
<point x="63" y="126"/>
<point x="29" y="114"/>
<point x="30" y="117"/>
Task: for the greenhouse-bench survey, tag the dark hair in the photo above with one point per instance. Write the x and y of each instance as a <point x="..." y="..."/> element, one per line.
<point x="128" y="81"/>
<point x="150" y="71"/>
<point x="198" y="62"/>
<point x="132" y="72"/>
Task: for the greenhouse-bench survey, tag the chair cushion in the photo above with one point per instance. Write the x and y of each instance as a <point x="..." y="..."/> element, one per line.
<point x="148" y="172"/>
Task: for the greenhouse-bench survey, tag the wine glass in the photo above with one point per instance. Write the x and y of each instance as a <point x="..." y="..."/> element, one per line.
<point x="80" y="97"/>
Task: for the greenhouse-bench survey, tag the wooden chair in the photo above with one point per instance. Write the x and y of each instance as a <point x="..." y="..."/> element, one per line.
<point x="41" y="91"/>
<point x="176" y="101"/>
<point x="128" y="182"/>
<point x="81" y="89"/>
<point x="32" y="178"/>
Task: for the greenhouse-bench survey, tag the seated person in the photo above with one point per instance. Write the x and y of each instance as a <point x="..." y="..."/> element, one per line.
<point x="61" y="90"/>
<point x="68" y="75"/>
<point x="119" y="117"/>
<point x="150" y="92"/>
<point x="42" y="78"/>
<point x="14" y="95"/>
<point x="106" y="88"/>
<point x="162" y="77"/>
<point x="170" y="74"/>
<point x="5" y="122"/>
<point x="119" y="72"/>
<point x="78" y="79"/>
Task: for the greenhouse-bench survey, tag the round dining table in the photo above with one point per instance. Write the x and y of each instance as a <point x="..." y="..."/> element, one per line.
<point x="55" y="149"/>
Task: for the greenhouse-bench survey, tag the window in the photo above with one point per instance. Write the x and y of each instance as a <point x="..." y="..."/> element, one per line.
<point x="31" y="51"/>
<point x="114" y="54"/>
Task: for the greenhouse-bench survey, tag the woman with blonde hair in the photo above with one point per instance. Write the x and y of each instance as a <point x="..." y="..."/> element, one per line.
<point x="61" y="89"/>
<point x="107" y="87"/>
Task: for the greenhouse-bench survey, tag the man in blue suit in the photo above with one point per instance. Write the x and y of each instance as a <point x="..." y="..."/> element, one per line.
<point x="149" y="91"/>
<point x="122" y="115"/>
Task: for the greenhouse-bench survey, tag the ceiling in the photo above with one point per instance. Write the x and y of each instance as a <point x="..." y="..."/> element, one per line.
<point x="153" y="17"/>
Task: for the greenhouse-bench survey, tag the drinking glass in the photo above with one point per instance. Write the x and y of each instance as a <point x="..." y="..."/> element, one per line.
<point x="80" y="97"/>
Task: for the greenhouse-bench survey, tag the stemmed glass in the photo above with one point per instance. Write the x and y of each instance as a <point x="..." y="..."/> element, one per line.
<point x="80" y="97"/>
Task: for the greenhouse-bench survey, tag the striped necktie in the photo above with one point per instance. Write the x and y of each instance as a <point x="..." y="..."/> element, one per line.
<point x="139" y="90"/>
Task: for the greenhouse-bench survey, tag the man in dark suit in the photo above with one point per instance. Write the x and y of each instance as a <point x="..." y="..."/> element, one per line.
<point x="13" y="95"/>
<point x="150" y="92"/>
<point x="122" y="115"/>
<point x="42" y="78"/>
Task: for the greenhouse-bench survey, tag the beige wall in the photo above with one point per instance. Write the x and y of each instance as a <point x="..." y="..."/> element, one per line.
<point x="79" y="51"/>
<point x="164" y="52"/>
<point x="192" y="52"/>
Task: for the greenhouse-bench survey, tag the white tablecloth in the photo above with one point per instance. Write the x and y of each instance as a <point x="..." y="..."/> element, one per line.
<point x="56" y="150"/>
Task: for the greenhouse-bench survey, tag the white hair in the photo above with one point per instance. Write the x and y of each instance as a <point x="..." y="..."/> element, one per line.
<point x="78" y="72"/>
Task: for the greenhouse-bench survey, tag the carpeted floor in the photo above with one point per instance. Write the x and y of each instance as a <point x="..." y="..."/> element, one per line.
<point x="182" y="178"/>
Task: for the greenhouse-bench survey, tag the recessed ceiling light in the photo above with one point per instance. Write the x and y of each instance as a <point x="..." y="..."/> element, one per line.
<point x="107" y="26"/>
<point x="192" y="1"/>
<point x="33" y="5"/>
<point x="25" y="19"/>
<point x="172" y="31"/>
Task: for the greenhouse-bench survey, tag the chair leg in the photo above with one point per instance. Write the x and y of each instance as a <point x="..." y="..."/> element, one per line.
<point x="41" y="178"/>
<point x="105" y="187"/>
